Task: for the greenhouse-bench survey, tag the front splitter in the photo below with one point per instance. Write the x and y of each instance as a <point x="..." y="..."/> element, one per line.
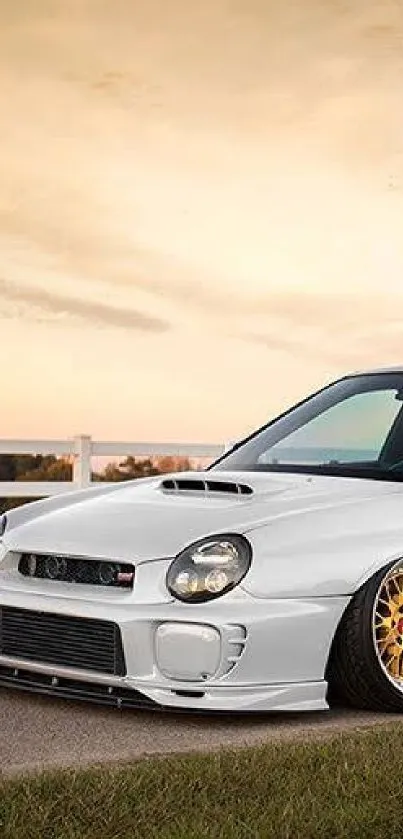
<point x="280" y="698"/>
<point x="59" y="686"/>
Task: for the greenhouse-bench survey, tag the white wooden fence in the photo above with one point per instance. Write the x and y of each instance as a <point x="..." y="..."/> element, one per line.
<point x="81" y="449"/>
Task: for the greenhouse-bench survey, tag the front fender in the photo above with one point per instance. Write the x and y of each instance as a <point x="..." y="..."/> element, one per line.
<point x="301" y="559"/>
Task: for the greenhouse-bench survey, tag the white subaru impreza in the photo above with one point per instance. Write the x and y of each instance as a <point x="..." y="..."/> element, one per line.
<point x="271" y="581"/>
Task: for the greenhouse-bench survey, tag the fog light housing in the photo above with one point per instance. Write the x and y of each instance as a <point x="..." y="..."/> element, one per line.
<point x="187" y="652"/>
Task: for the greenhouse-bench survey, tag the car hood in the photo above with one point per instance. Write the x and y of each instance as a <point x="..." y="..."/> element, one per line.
<point x="157" y="518"/>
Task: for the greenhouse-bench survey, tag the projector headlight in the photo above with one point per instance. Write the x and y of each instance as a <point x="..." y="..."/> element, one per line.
<point x="3" y="524"/>
<point x="209" y="568"/>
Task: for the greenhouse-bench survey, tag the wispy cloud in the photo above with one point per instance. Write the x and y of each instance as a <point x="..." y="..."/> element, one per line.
<point x="338" y="329"/>
<point x="36" y="303"/>
<point x="224" y="177"/>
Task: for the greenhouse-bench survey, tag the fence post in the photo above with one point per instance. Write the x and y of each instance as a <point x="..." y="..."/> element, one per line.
<point x="82" y="461"/>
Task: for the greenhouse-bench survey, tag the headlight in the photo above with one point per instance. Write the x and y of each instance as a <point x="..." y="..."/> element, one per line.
<point x="3" y="524"/>
<point x="209" y="568"/>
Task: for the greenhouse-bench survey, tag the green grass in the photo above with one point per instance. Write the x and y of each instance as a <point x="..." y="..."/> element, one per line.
<point x="345" y="787"/>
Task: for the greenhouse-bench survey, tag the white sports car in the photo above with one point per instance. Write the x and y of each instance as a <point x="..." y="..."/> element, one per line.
<point x="271" y="581"/>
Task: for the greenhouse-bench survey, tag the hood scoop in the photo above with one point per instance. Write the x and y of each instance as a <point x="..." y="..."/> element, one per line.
<point x="206" y="486"/>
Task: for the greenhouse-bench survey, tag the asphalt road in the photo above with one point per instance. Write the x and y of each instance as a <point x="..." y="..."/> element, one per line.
<point x="40" y="733"/>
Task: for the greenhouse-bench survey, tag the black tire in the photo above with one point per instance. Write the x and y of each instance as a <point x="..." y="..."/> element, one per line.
<point x="354" y="673"/>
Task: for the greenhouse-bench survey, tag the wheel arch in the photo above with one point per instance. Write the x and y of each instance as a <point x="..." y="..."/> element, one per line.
<point x="377" y="566"/>
<point x="376" y="572"/>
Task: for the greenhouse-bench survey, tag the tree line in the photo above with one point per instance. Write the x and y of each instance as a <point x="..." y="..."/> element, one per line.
<point x="51" y="468"/>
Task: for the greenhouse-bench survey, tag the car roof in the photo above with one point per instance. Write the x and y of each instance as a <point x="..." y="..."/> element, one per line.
<point x="378" y="370"/>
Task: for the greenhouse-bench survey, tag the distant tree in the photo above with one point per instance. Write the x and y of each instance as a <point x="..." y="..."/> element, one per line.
<point x="50" y="469"/>
<point x="174" y="463"/>
<point x="13" y="466"/>
<point x="31" y="468"/>
<point x="143" y="467"/>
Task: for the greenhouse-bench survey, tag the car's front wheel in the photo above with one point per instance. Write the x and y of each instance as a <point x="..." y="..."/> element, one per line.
<point x="366" y="660"/>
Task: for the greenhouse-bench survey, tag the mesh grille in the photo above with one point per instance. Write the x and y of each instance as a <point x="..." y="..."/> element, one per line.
<point x="71" y="570"/>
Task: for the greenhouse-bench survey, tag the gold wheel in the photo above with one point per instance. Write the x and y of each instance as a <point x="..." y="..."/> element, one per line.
<point x="388" y="625"/>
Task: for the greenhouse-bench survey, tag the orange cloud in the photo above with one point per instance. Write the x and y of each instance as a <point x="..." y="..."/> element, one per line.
<point x="33" y="303"/>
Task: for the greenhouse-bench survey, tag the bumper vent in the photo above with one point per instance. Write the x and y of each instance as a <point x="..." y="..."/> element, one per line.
<point x="61" y="640"/>
<point x="200" y="485"/>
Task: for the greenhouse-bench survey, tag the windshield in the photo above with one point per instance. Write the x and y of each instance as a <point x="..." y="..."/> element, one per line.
<point x="353" y="428"/>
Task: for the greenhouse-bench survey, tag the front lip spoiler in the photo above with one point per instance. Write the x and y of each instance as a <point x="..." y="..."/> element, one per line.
<point x="114" y="696"/>
<point x="20" y="678"/>
<point x="65" y="688"/>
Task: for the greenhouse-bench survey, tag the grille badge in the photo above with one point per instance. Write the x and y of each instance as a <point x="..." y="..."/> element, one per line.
<point x="125" y="577"/>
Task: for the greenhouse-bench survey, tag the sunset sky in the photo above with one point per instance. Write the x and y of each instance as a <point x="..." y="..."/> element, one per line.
<point x="201" y="210"/>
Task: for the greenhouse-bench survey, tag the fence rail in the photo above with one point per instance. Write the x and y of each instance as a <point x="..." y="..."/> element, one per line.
<point x="81" y="450"/>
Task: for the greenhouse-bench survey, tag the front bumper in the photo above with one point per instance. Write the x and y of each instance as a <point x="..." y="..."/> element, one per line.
<point x="238" y="653"/>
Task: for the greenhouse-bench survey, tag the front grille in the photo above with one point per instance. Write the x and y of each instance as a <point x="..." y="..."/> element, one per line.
<point x="61" y="640"/>
<point x="68" y="569"/>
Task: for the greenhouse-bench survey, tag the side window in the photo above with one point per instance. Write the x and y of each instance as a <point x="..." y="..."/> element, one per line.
<point x="354" y="430"/>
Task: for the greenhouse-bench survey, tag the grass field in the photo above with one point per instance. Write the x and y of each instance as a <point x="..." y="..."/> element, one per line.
<point x="345" y="787"/>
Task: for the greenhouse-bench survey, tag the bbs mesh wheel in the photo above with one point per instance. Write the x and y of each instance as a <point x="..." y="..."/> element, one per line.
<point x="366" y="661"/>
